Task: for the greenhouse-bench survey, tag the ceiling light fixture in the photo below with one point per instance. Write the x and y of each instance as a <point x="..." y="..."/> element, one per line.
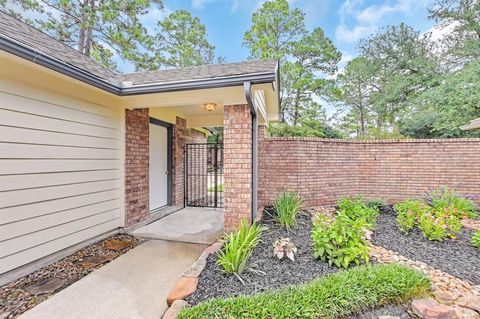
<point x="210" y="106"/>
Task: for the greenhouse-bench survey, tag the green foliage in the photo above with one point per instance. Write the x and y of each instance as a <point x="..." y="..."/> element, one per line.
<point x="334" y="296"/>
<point x="357" y="210"/>
<point x="309" y="128"/>
<point x="407" y="213"/>
<point x="238" y="247"/>
<point x="340" y="242"/>
<point x="287" y="206"/>
<point x="278" y="32"/>
<point x="439" y="215"/>
<point x="476" y="239"/>
<point x="376" y="203"/>
<point x="98" y="28"/>
<point x="445" y="197"/>
<point x="438" y="225"/>
<point x="183" y="38"/>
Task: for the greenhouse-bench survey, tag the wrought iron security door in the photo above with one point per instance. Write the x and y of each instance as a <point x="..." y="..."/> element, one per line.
<point x="204" y="175"/>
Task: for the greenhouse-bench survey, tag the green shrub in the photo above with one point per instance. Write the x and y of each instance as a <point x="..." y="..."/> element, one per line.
<point x="476" y="239"/>
<point x="357" y="209"/>
<point x="334" y="296"/>
<point x="444" y="197"/>
<point x="340" y="242"/>
<point x="376" y="203"/>
<point x="436" y="224"/>
<point x="408" y="212"/>
<point x="238" y="248"/>
<point x="287" y="206"/>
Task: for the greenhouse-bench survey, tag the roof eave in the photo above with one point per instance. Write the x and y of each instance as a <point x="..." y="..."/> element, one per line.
<point x="59" y="66"/>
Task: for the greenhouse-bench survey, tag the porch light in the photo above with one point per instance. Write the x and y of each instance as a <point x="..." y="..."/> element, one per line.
<point x="210" y="106"/>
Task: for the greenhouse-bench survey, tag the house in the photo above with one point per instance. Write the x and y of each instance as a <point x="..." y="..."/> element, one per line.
<point x="87" y="152"/>
<point x="474" y="124"/>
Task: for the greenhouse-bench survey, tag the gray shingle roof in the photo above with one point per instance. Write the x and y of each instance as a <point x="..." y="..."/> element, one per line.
<point x="29" y="37"/>
<point x="200" y="72"/>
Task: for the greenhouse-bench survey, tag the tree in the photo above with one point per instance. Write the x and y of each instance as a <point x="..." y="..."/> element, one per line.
<point x="275" y="28"/>
<point x="454" y="102"/>
<point x="404" y="68"/>
<point x="278" y="32"/>
<point x="183" y="38"/>
<point x="463" y="17"/>
<point x="354" y="92"/>
<point x="314" y="53"/>
<point x="98" y="28"/>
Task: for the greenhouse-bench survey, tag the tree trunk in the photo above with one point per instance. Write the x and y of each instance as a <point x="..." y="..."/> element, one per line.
<point x="82" y="30"/>
<point x="296" y="111"/>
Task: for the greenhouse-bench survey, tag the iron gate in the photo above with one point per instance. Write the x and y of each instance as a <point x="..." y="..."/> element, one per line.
<point x="204" y="175"/>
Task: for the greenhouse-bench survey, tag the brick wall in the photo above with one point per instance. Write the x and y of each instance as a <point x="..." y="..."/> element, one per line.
<point x="136" y="165"/>
<point x="237" y="143"/>
<point x="181" y="136"/>
<point x="325" y="170"/>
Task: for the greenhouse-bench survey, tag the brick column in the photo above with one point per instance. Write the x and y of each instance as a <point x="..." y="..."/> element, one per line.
<point x="237" y="122"/>
<point x="136" y="165"/>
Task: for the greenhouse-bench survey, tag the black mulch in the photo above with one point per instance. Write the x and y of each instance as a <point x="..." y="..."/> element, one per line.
<point x="400" y="311"/>
<point x="454" y="256"/>
<point x="214" y="283"/>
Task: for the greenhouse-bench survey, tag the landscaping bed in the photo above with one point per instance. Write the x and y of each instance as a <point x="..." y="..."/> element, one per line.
<point x="27" y="292"/>
<point x="214" y="283"/>
<point x="454" y="256"/>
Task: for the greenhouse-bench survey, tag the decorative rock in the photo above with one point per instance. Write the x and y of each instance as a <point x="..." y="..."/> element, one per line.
<point x="47" y="286"/>
<point x="389" y="317"/>
<point x="172" y="312"/>
<point x="465" y="313"/>
<point x="213" y="248"/>
<point x="447" y="298"/>
<point x="470" y="301"/>
<point x="4" y="315"/>
<point x="195" y="270"/>
<point x="183" y="288"/>
<point x="427" y="308"/>
<point x="116" y="245"/>
<point x="94" y="261"/>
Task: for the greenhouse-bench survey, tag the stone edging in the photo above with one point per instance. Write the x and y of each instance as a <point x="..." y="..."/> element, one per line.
<point x="187" y="284"/>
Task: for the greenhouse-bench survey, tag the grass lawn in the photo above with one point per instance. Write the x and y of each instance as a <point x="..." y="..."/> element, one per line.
<point x="220" y="188"/>
<point x="331" y="296"/>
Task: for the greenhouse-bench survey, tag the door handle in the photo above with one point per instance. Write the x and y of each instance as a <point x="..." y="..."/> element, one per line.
<point x="167" y="172"/>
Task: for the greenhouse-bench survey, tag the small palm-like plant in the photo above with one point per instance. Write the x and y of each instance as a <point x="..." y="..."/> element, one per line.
<point x="287" y="205"/>
<point x="238" y="247"/>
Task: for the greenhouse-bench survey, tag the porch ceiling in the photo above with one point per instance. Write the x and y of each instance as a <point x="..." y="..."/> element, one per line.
<point x="190" y="104"/>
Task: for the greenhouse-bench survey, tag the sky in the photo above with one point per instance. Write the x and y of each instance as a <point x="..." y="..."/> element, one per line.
<point x="345" y="22"/>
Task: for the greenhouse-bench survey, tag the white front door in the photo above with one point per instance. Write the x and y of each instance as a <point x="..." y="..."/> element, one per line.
<point x="158" y="179"/>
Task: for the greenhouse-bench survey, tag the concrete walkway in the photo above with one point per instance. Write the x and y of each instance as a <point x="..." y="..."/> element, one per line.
<point x="190" y="225"/>
<point x="133" y="286"/>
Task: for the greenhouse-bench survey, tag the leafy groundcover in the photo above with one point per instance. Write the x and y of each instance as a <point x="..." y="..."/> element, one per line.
<point x="333" y="296"/>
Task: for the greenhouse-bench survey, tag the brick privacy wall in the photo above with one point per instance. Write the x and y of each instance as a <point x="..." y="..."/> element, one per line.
<point x="326" y="170"/>
<point x="237" y="143"/>
<point x="136" y="165"/>
<point x="181" y="136"/>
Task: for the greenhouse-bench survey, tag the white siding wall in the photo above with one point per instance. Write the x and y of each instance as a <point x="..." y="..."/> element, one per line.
<point x="60" y="172"/>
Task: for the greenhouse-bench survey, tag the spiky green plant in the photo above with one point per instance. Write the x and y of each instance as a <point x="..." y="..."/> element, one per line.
<point x="476" y="239"/>
<point x="287" y="206"/>
<point x="238" y="247"/>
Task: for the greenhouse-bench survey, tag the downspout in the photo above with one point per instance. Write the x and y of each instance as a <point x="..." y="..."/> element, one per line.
<point x="247" y="86"/>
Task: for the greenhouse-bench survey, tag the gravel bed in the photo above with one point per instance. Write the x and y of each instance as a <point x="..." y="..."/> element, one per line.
<point x="14" y="297"/>
<point x="278" y="273"/>
<point x="454" y="256"/>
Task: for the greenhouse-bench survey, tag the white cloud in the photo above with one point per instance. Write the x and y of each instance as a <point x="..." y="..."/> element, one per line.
<point x="198" y="4"/>
<point x="350" y="35"/>
<point x="366" y="20"/>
